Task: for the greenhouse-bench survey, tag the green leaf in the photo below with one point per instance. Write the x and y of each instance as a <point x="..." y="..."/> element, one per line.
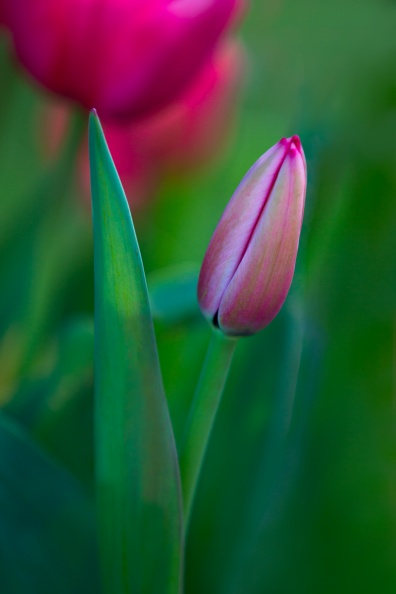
<point x="138" y="482"/>
<point x="47" y="530"/>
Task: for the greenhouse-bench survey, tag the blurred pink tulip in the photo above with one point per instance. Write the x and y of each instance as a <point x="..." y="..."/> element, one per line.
<point x="179" y="139"/>
<point x="192" y="130"/>
<point x="127" y="58"/>
<point x="249" y="265"/>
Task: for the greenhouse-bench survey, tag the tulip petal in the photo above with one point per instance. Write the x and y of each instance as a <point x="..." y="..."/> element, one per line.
<point x="168" y="47"/>
<point x="126" y="58"/>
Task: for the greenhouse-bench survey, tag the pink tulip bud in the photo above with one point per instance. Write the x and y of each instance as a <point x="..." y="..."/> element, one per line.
<point x="249" y="265"/>
<point x="127" y="58"/>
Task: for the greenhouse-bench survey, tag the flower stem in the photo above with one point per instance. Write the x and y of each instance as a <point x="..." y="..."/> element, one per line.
<point x="202" y="414"/>
<point x="55" y="193"/>
<point x="52" y="232"/>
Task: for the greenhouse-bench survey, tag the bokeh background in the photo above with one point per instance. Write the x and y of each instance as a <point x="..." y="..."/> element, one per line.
<point x="298" y="492"/>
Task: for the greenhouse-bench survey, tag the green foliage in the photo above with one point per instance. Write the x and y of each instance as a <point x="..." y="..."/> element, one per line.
<point x="325" y="71"/>
<point x="47" y="528"/>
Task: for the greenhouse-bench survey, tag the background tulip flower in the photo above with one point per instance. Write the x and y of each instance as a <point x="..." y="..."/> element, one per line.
<point x="193" y="129"/>
<point x="127" y="58"/>
<point x="179" y="139"/>
<point x="249" y="265"/>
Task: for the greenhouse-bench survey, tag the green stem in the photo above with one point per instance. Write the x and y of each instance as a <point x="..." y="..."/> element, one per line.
<point x="53" y="227"/>
<point x="202" y="414"/>
<point x="63" y="238"/>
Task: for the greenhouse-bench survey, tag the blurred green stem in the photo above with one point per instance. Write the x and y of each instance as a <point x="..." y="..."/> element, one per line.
<point x="202" y="414"/>
<point x="281" y="450"/>
<point x="55" y="242"/>
<point x="57" y="231"/>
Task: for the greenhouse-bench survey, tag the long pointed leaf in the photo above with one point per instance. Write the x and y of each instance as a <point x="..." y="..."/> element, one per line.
<point x="137" y="471"/>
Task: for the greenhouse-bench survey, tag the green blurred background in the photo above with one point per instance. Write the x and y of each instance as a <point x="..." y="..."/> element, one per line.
<point x="298" y="492"/>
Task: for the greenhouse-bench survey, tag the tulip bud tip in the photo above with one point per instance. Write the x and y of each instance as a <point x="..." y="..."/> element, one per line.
<point x="297" y="143"/>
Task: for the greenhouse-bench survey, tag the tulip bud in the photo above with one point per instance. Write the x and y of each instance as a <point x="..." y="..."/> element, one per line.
<point x="127" y="58"/>
<point x="249" y="265"/>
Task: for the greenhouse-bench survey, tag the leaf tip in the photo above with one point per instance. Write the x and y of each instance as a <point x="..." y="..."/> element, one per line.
<point x="94" y="123"/>
<point x="95" y="134"/>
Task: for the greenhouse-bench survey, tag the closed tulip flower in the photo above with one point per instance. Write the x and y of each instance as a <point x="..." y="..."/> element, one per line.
<point x="127" y="58"/>
<point x="249" y="265"/>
